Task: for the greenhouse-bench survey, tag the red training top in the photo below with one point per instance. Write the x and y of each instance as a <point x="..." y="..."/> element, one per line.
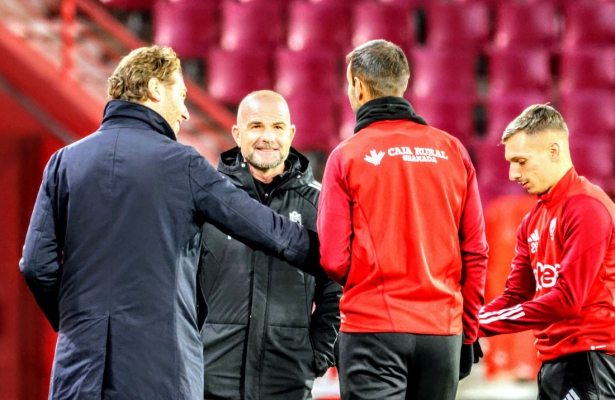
<point x="565" y="262"/>
<point x="401" y="226"/>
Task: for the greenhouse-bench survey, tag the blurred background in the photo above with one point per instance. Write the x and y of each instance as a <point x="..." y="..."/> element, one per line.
<point x="475" y="65"/>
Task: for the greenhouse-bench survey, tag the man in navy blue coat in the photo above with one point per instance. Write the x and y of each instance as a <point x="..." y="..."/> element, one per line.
<point x="112" y="249"/>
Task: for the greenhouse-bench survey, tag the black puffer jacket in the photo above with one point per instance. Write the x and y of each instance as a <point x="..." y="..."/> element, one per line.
<point x="261" y="338"/>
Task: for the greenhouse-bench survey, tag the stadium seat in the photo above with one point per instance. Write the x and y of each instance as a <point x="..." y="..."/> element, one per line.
<point x="518" y="70"/>
<point x="503" y="108"/>
<point x="493" y="171"/>
<point x="307" y="70"/>
<point x="531" y="24"/>
<point x="314" y="116"/>
<point x="593" y="159"/>
<point x="251" y="25"/>
<point x="589" y="114"/>
<point x="348" y="119"/>
<point x="452" y="114"/>
<point x="587" y="69"/>
<point x="589" y="23"/>
<point x="409" y="4"/>
<point x="195" y="34"/>
<point x="439" y="72"/>
<point x="389" y="21"/>
<point x="456" y="24"/>
<point x="232" y="74"/>
<point x="318" y="25"/>
<point x="510" y="357"/>
<point x="128" y="4"/>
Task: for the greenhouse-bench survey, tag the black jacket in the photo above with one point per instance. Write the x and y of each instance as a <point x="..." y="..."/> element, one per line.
<point x="261" y="339"/>
<point x="112" y="251"/>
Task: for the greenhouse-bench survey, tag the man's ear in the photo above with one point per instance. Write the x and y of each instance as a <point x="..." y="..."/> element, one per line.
<point x="293" y="129"/>
<point x="358" y="87"/>
<point x="360" y="90"/>
<point x="154" y="89"/>
<point x="554" y="151"/>
<point x="236" y="135"/>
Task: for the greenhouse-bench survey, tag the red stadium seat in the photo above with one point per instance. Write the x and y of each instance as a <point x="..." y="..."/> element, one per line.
<point x="589" y="23"/>
<point x="525" y="24"/>
<point x="128" y="4"/>
<point x="195" y="34"/>
<point x="251" y="25"/>
<point x="314" y="116"/>
<point x="587" y="69"/>
<point x="389" y="21"/>
<point x="440" y="71"/>
<point x="318" y="25"/>
<point x="593" y="159"/>
<point x="307" y="70"/>
<point x="450" y="113"/>
<point x="503" y="108"/>
<point x="589" y="114"/>
<point x="459" y="25"/>
<point x="492" y="171"/>
<point x="519" y="70"/>
<point x="410" y="4"/>
<point x="348" y="119"/>
<point x="232" y="74"/>
<point x="506" y="356"/>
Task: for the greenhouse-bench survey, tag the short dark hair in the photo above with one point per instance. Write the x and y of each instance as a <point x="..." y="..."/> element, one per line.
<point x="130" y="79"/>
<point x="535" y="119"/>
<point x="383" y="67"/>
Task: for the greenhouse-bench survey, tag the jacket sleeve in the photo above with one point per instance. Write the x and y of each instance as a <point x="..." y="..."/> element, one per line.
<point x="587" y="232"/>
<point x="325" y="322"/>
<point x="335" y="219"/>
<point x="474" y="250"/>
<point x="232" y="211"/>
<point x="520" y="287"/>
<point x="41" y="262"/>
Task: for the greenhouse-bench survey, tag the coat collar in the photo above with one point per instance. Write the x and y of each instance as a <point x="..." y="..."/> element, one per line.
<point x="297" y="171"/>
<point x="386" y="109"/>
<point x="120" y="109"/>
<point x="560" y="189"/>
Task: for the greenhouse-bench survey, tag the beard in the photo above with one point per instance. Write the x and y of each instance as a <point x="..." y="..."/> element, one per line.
<point x="261" y="164"/>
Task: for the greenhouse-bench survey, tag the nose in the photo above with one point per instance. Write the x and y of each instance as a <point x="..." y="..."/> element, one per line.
<point x="185" y="114"/>
<point x="513" y="172"/>
<point x="268" y="135"/>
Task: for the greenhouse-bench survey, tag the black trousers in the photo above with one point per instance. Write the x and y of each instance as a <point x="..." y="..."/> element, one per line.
<point x="400" y="366"/>
<point x="588" y="375"/>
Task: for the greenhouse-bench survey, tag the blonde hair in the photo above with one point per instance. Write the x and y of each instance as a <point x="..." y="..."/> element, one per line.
<point x="536" y="119"/>
<point x="130" y="79"/>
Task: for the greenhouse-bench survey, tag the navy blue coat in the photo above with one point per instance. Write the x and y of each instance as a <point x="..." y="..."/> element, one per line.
<point x="112" y="250"/>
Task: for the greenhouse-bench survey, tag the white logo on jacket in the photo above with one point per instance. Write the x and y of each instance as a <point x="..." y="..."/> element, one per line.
<point x="374" y="157"/>
<point x="295" y="217"/>
<point x="546" y="275"/>
<point x="533" y="241"/>
<point x="420" y="154"/>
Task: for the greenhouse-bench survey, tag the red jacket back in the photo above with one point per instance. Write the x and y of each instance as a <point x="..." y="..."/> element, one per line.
<point x="401" y="226"/>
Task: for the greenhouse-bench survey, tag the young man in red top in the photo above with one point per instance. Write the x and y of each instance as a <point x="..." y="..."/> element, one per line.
<point x="562" y="281"/>
<point x="401" y="228"/>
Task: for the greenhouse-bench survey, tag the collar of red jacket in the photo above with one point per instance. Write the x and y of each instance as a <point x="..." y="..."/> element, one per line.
<point x="560" y="189"/>
<point x="386" y="109"/>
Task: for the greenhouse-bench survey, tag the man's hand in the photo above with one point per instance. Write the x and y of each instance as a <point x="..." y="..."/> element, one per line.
<point x="470" y="354"/>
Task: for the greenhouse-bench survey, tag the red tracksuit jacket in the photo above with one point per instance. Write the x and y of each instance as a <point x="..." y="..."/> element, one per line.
<point x="400" y="219"/>
<point x="565" y="262"/>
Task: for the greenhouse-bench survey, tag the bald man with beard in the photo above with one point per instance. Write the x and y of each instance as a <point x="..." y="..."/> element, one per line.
<point x="269" y="328"/>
